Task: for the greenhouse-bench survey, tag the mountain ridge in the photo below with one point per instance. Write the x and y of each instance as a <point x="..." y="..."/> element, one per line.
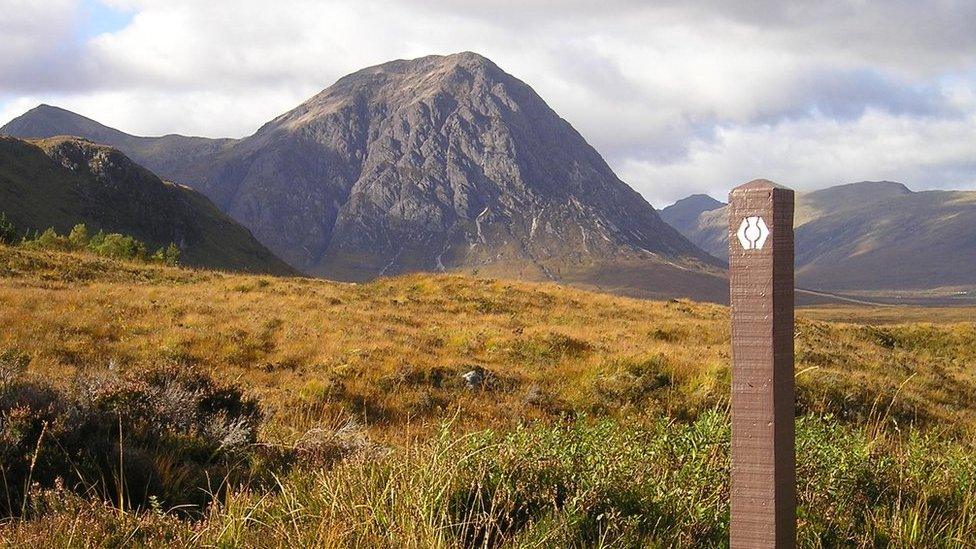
<point x="684" y="215"/>
<point x="870" y="235"/>
<point x="162" y="155"/>
<point x="61" y="181"/>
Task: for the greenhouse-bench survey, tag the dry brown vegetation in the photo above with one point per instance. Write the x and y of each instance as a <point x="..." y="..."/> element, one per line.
<point x="391" y="352"/>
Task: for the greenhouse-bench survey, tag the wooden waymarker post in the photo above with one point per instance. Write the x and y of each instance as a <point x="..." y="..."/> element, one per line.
<point x="763" y="425"/>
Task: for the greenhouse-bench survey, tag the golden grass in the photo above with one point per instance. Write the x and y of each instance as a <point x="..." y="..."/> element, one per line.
<point x="391" y="352"/>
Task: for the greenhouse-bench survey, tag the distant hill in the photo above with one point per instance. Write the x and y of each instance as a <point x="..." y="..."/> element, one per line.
<point x="62" y="181"/>
<point x="872" y="235"/>
<point x="166" y="156"/>
<point x="685" y="215"/>
<point x="431" y="164"/>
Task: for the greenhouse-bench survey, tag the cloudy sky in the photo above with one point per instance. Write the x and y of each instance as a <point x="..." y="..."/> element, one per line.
<point x="679" y="97"/>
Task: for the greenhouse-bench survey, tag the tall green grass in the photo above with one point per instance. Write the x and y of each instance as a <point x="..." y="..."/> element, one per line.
<point x="584" y="483"/>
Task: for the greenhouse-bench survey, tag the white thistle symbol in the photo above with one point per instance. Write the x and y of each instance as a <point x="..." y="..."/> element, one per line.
<point x="753" y="233"/>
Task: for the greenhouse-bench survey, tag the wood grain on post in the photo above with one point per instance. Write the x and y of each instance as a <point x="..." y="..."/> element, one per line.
<point x="763" y="425"/>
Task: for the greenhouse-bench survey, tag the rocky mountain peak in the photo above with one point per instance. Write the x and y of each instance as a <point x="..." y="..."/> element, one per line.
<point x="438" y="163"/>
<point x="435" y="79"/>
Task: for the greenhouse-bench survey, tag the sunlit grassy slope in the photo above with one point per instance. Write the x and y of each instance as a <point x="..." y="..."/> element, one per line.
<point x="391" y="352"/>
<point x="601" y="421"/>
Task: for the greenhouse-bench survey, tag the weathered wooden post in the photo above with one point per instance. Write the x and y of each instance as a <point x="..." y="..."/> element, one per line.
<point x="763" y="425"/>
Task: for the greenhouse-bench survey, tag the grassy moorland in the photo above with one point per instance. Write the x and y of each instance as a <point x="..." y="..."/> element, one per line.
<point x="149" y="405"/>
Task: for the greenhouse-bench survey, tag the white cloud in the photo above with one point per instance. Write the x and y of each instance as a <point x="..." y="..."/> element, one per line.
<point x="813" y="152"/>
<point x="680" y="97"/>
<point x="31" y="27"/>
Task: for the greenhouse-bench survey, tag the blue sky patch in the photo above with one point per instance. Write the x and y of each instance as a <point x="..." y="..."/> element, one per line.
<point x="99" y="18"/>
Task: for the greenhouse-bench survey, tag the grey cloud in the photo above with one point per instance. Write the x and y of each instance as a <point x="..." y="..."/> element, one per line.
<point x="40" y="49"/>
<point x="841" y="95"/>
<point x="846" y="94"/>
<point x="915" y="36"/>
<point x="668" y="144"/>
<point x="597" y="73"/>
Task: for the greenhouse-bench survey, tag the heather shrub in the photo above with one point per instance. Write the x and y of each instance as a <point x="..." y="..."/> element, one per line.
<point x="13" y="363"/>
<point x="169" y="434"/>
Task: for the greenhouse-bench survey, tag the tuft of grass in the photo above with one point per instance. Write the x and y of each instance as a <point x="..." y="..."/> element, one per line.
<point x="632" y="382"/>
<point x="549" y="348"/>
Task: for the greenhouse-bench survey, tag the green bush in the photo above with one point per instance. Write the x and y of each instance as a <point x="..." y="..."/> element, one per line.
<point x="79" y="237"/>
<point x="119" y="246"/>
<point x="114" y="245"/>
<point x="96" y="240"/>
<point x="48" y="240"/>
<point x="169" y="255"/>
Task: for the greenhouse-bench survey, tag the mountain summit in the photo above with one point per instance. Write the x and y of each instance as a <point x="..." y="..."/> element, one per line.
<point x="436" y="163"/>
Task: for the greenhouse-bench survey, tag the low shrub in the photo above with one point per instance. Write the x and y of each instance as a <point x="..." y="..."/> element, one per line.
<point x="169" y="433"/>
<point x="47" y="240"/>
<point x="117" y="246"/>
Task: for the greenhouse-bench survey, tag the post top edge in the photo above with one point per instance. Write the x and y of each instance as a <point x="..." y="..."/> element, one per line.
<point x="760" y="184"/>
